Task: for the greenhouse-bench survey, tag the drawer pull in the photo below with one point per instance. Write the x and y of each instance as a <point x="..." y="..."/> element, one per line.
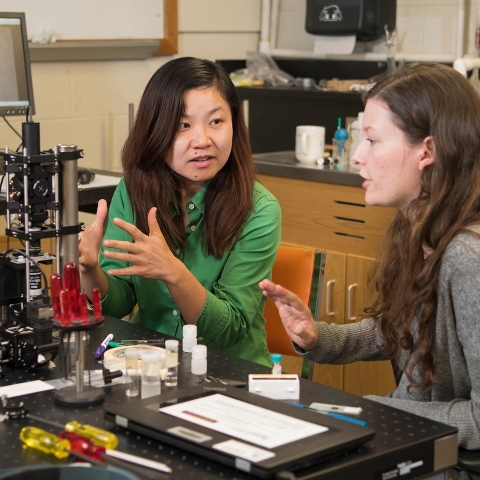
<point x="350" y="317"/>
<point x="329" y="294"/>
<point x="346" y="219"/>
<point x="351" y="204"/>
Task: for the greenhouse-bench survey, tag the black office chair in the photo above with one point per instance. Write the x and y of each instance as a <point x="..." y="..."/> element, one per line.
<point x="468" y="460"/>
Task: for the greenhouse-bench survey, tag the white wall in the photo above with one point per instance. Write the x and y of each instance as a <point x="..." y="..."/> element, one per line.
<point x="86" y="103"/>
<point x="427" y="27"/>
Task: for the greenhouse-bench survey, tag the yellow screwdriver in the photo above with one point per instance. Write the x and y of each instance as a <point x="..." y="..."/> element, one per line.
<point x="44" y="441"/>
<point x="98" y="436"/>
<point x="78" y="446"/>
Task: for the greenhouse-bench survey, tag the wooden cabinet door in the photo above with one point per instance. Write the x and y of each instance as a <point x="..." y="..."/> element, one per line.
<point x="363" y="378"/>
<point x="332" y="311"/>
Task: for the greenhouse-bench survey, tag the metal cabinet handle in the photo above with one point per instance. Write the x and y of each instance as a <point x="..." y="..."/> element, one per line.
<point x="329" y="294"/>
<point x="350" y="317"/>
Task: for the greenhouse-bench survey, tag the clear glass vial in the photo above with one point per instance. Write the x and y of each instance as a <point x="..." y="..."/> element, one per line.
<point x="133" y="374"/>
<point x="151" y="372"/>
<point x="171" y="363"/>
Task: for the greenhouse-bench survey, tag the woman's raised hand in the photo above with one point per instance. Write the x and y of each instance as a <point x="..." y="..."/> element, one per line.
<point x="91" y="238"/>
<point x="295" y="315"/>
<point x="149" y="255"/>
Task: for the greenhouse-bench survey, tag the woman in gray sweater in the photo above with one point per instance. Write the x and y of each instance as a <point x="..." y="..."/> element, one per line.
<point x="421" y="154"/>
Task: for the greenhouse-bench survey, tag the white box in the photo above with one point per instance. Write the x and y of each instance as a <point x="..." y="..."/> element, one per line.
<point x="278" y="387"/>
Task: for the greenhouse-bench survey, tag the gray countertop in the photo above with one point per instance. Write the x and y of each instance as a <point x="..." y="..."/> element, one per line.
<point x="284" y="164"/>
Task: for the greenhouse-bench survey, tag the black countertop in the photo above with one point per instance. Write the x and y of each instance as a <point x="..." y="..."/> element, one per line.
<point x="401" y="437"/>
<point x="284" y="164"/>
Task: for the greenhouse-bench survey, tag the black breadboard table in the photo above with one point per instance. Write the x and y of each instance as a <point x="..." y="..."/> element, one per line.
<point x="400" y="437"/>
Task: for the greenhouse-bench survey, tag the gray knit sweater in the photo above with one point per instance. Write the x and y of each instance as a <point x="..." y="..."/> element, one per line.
<point x="455" y="396"/>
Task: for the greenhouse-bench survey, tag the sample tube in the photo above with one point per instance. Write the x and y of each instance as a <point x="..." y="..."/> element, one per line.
<point x="171" y="363"/>
<point x="199" y="360"/>
<point x="151" y="372"/>
<point x="276" y="364"/>
<point x="133" y="375"/>
<point x="189" y="337"/>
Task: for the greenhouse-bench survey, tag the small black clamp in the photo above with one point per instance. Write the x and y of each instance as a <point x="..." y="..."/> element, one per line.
<point x="12" y="410"/>
<point x="108" y="376"/>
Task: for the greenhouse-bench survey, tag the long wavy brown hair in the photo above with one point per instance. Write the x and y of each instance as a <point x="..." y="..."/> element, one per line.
<point x="151" y="182"/>
<point x="426" y="100"/>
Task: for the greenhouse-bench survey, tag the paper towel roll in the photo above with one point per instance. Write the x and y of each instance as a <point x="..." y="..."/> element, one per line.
<point x="325" y="44"/>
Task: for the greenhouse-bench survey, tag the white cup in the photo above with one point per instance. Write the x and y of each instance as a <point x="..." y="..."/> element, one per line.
<point x="309" y="143"/>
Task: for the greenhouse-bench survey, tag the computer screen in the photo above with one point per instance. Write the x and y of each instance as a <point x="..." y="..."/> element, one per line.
<point x="16" y="92"/>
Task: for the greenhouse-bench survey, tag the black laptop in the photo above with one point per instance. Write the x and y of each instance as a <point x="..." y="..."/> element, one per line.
<point x="240" y="429"/>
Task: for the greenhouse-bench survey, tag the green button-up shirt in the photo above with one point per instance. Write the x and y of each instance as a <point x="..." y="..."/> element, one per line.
<point x="232" y="317"/>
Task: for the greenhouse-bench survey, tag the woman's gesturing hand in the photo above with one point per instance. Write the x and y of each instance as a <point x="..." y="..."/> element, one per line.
<point x="296" y="316"/>
<point x="148" y="255"/>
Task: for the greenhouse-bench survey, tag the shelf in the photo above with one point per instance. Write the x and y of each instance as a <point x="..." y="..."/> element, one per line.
<point x="93" y="50"/>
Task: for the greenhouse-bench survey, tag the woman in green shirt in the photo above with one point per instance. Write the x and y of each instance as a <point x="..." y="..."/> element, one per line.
<point x="190" y="233"/>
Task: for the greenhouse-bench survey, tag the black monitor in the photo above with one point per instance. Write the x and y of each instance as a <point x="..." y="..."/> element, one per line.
<point x="16" y="92"/>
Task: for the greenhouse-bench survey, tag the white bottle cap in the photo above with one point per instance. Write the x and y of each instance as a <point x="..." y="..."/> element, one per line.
<point x="199" y="351"/>
<point x="189" y="331"/>
<point x="171" y="345"/>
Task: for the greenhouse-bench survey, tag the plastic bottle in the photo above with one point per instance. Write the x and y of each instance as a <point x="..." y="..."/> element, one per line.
<point x="340" y="138"/>
<point x="151" y="372"/>
<point x="189" y="337"/>
<point x="171" y="363"/>
<point x="199" y="360"/>
<point x="276" y="364"/>
<point x="356" y="136"/>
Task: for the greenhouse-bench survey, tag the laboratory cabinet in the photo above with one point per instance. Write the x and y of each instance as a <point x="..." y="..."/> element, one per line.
<point x="335" y="218"/>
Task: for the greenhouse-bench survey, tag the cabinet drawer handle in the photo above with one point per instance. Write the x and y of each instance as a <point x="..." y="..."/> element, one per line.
<point x="329" y="294"/>
<point x="350" y="317"/>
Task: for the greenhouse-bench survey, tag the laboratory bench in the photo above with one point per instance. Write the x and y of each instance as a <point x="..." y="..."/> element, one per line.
<point x="417" y="447"/>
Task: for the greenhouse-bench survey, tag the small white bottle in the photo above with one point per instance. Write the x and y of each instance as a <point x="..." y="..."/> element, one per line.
<point x="356" y="136"/>
<point x="151" y="372"/>
<point x="189" y="337"/>
<point x="276" y="364"/>
<point x="171" y="363"/>
<point x="199" y="360"/>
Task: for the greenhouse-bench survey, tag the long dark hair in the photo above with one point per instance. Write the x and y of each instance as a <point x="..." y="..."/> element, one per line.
<point x="426" y="100"/>
<point x="150" y="181"/>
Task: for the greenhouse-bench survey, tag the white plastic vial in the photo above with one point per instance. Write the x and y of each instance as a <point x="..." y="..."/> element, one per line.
<point x="133" y="374"/>
<point x="199" y="360"/>
<point x="151" y="372"/>
<point x="276" y="364"/>
<point x="171" y="363"/>
<point x="189" y="337"/>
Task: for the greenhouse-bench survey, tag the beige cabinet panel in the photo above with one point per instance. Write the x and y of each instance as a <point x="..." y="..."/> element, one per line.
<point x="332" y="217"/>
<point x="363" y="378"/>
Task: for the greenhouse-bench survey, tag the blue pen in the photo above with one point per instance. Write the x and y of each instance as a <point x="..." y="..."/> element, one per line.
<point x="334" y="415"/>
<point x="347" y="419"/>
<point x="103" y="346"/>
